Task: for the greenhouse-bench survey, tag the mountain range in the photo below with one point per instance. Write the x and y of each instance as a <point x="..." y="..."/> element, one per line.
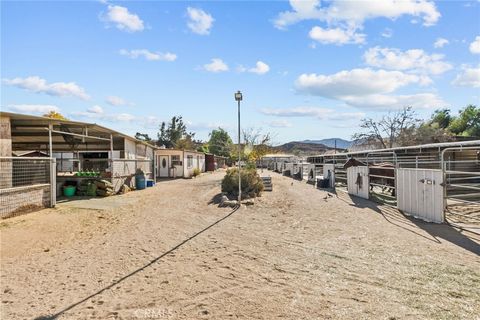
<point x="330" y="142"/>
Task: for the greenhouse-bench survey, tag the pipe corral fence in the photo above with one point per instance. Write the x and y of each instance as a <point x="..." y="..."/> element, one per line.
<point x="435" y="182"/>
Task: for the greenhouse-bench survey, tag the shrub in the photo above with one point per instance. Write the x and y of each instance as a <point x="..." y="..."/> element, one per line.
<point x="252" y="184"/>
<point x="196" y="172"/>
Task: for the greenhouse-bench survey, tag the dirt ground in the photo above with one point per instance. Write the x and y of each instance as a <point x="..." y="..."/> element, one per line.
<point x="298" y="253"/>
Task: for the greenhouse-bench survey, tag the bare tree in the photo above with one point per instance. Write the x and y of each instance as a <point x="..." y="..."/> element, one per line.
<point x="388" y="129"/>
<point x="256" y="143"/>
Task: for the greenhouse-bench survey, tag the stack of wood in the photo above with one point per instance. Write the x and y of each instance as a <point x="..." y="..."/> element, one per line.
<point x="104" y="188"/>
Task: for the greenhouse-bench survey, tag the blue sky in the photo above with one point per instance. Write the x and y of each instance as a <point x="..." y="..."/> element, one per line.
<point x="307" y="69"/>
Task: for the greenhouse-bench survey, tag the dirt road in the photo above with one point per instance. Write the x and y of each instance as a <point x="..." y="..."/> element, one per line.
<point x="296" y="254"/>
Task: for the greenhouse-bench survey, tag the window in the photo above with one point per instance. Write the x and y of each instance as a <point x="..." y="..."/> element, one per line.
<point x="176" y="161"/>
<point x="189" y="161"/>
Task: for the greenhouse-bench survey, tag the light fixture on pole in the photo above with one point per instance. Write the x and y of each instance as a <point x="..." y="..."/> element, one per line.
<point x="238" y="98"/>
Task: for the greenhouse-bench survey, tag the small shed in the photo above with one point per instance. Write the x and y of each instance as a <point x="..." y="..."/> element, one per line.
<point x="177" y="163"/>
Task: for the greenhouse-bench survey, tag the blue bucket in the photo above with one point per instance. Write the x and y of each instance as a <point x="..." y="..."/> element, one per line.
<point x="150" y="183"/>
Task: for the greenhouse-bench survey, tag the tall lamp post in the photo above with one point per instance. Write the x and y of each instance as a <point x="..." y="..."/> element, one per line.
<point x="238" y="98"/>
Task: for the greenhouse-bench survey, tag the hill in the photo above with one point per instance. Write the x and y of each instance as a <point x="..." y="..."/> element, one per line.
<point x="302" y="148"/>
<point x="330" y="142"/>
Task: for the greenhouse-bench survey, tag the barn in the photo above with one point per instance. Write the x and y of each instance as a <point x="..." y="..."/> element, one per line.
<point x="39" y="156"/>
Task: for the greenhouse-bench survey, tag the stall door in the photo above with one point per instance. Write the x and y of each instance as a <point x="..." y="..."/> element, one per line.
<point x="163" y="166"/>
<point x="358" y="182"/>
<point x="420" y="193"/>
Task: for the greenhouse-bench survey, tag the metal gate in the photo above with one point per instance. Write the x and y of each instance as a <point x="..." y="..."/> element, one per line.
<point x="26" y="184"/>
<point x="461" y="171"/>
<point x="358" y="181"/>
<point x="420" y="193"/>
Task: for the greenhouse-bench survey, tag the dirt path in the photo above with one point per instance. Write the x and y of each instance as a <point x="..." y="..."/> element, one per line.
<point x="296" y="254"/>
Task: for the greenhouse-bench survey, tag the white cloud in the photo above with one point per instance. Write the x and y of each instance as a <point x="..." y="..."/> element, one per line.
<point x="98" y="114"/>
<point x="337" y="36"/>
<point x="441" y="42"/>
<point x="148" y="55"/>
<point x="475" y="46"/>
<point x="199" y="22"/>
<point x="117" y="101"/>
<point x="415" y="60"/>
<point x="356" y="12"/>
<point x="33" y="108"/>
<point x="95" y="109"/>
<point x="123" y="19"/>
<point x="368" y="89"/>
<point x="385" y="102"/>
<point x="260" y="68"/>
<point x="279" y="124"/>
<point x="313" y="112"/>
<point x="387" y="33"/>
<point x="344" y="18"/>
<point x="216" y="65"/>
<point x="469" y="77"/>
<point x="355" y="82"/>
<point x="39" y="85"/>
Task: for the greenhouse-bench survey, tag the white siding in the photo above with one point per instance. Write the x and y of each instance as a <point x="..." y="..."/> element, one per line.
<point x="130" y="149"/>
<point x="358" y="182"/>
<point x="420" y="193"/>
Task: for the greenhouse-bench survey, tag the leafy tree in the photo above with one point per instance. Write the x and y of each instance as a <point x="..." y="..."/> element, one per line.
<point x="388" y="129"/>
<point x="467" y="123"/>
<point x="55" y="115"/>
<point x="175" y="135"/>
<point x="441" y="118"/>
<point x="220" y="142"/>
<point x="143" y="137"/>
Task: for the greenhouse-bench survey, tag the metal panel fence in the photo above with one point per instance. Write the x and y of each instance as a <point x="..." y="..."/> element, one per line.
<point x="461" y="170"/>
<point x="26" y="184"/>
<point x="124" y="170"/>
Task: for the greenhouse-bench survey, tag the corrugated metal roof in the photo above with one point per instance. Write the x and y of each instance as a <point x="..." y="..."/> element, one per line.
<point x="19" y="116"/>
<point x="417" y="147"/>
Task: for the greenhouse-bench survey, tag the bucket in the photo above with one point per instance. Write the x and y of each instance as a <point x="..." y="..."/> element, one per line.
<point x="69" y="191"/>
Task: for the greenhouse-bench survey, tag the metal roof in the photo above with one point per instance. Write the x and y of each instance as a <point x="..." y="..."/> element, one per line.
<point x="416" y="147"/>
<point x="46" y="121"/>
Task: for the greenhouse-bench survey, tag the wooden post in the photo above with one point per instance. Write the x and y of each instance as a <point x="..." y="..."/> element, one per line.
<point x="50" y="147"/>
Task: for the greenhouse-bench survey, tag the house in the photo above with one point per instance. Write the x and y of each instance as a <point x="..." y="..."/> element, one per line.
<point x="177" y="163"/>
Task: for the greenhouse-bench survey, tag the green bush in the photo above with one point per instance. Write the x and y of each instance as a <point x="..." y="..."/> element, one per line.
<point x="196" y="172"/>
<point x="252" y="184"/>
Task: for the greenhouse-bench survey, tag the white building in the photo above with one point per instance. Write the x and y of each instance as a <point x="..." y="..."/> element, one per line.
<point x="175" y="163"/>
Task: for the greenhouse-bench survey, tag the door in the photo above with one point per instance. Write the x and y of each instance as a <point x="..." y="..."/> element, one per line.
<point x="420" y="193"/>
<point x="357" y="181"/>
<point x="163" y="166"/>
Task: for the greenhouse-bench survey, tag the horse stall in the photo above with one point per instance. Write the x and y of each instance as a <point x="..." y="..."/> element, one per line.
<point x="287" y="169"/>
<point x="381" y="173"/>
<point x="315" y="171"/>
<point x="329" y="173"/>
